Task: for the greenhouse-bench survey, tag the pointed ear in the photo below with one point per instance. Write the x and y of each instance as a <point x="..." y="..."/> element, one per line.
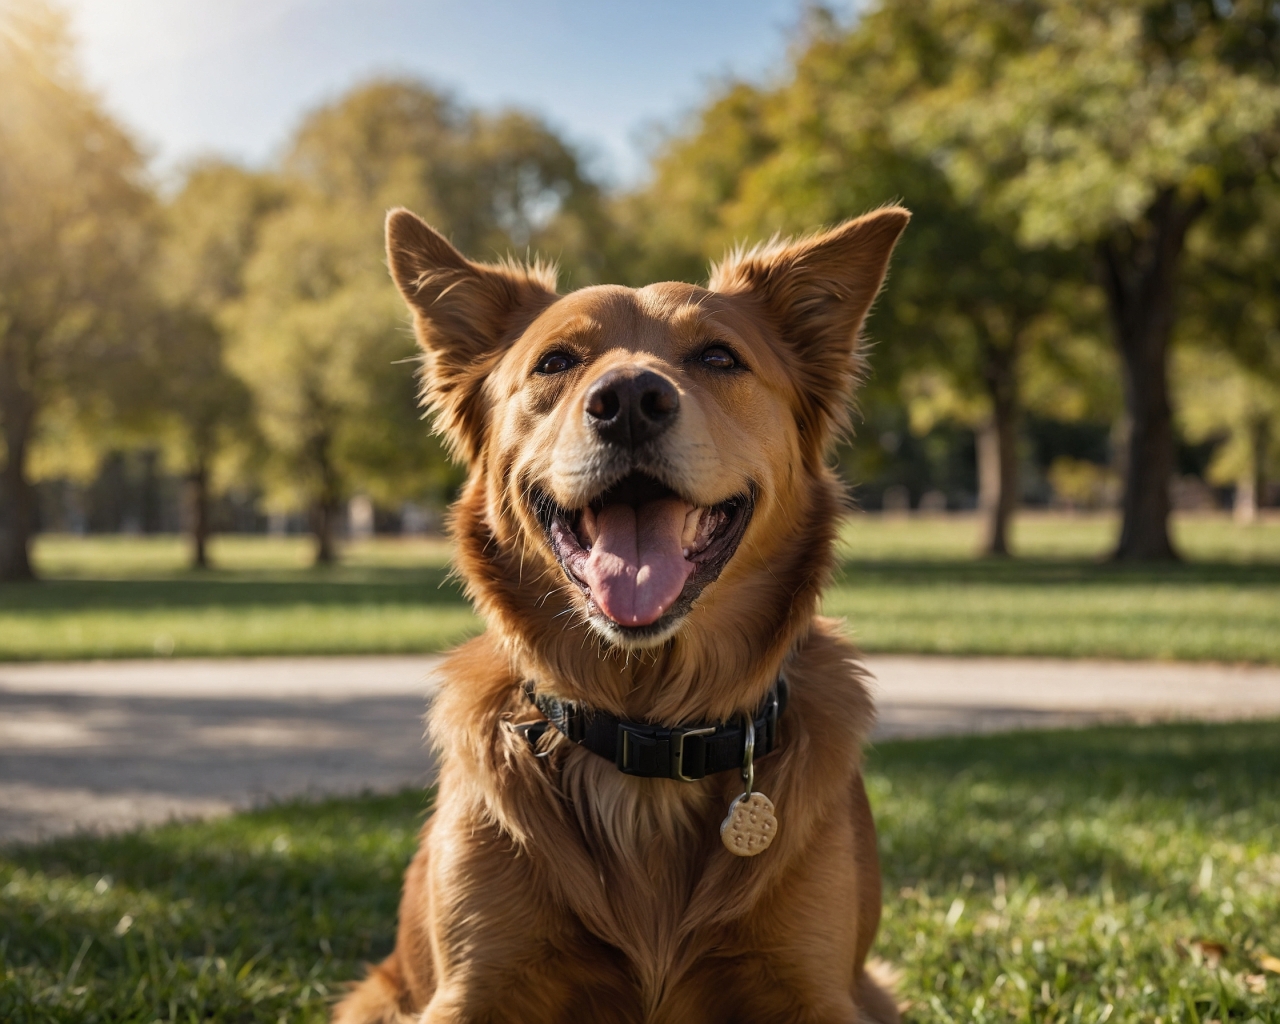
<point x="818" y="291"/>
<point x="465" y="315"/>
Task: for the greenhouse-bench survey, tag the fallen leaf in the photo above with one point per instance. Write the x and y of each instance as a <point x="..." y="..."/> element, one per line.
<point x="1256" y="983"/>
<point x="1269" y="963"/>
<point x="1203" y="949"/>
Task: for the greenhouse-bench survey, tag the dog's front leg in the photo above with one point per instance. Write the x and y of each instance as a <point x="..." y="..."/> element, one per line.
<point x="503" y="946"/>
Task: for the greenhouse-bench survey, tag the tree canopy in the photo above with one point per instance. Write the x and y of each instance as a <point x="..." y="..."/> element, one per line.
<point x="319" y="337"/>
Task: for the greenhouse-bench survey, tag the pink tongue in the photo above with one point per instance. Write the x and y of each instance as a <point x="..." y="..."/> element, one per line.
<point x="637" y="567"/>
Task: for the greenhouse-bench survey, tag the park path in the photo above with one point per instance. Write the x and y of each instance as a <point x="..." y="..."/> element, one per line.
<point x="109" y="745"/>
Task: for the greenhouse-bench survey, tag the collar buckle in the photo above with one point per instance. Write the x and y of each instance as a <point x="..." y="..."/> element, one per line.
<point x="655" y="752"/>
<point x="681" y="765"/>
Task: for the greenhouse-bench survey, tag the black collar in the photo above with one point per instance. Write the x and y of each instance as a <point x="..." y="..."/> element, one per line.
<point x="687" y="752"/>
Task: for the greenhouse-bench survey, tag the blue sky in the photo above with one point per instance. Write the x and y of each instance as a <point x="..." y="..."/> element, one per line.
<point x="234" y="76"/>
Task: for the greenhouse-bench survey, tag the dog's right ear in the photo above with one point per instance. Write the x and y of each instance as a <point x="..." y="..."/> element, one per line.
<point x="465" y="315"/>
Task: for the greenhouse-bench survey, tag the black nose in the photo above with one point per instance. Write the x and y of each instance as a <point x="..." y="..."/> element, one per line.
<point x="628" y="408"/>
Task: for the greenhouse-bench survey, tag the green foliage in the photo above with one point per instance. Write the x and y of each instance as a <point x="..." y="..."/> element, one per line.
<point x="494" y="183"/>
<point x="822" y="146"/>
<point x="315" y="335"/>
<point x="1071" y="118"/>
<point x="1220" y="400"/>
<point x="1027" y="877"/>
<point x="1228" y="362"/>
<point x="211" y="229"/>
<point x="76" y="215"/>
<point x="213" y="224"/>
<point x="1234" y="270"/>
<point x="676" y="224"/>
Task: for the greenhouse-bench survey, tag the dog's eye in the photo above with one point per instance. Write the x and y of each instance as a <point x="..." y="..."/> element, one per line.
<point x="555" y="362"/>
<point x="718" y="358"/>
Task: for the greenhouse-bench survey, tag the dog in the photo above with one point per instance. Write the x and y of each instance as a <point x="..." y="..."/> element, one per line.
<point x="650" y="803"/>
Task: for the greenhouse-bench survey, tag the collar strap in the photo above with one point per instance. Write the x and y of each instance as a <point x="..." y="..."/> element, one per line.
<point x="686" y="753"/>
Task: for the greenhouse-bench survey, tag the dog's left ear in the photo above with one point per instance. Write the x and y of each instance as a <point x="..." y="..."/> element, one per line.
<point x="465" y="316"/>
<point x="818" y="291"/>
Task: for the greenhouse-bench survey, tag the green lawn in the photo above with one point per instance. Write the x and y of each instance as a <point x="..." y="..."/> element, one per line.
<point x="1065" y="876"/>
<point x="905" y="585"/>
<point x="114" y="597"/>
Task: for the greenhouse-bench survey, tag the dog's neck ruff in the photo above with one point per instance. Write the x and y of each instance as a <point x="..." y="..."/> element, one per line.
<point x="686" y="753"/>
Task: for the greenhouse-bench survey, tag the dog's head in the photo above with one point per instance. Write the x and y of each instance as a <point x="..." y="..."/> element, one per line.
<point x="638" y="454"/>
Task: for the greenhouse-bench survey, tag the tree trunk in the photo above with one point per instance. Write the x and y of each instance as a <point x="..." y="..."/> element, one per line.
<point x="328" y="503"/>
<point x="17" y="495"/>
<point x="1139" y="271"/>
<point x="324" y="523"/>
<point x="1252" y="485"/>
<point x="998" y="486"/>
<point x="1244" y="508"/>
<point x="198" y="510"/>
<point x="1261" y="444"/>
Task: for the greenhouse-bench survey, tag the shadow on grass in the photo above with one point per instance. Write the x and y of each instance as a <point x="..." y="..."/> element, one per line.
<point x="416" y="586"/>
<point x="296" y="896"/>
<point x="1048" y="572"/>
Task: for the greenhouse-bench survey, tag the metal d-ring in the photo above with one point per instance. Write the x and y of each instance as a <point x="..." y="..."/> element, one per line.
<point x="749" y="754"/>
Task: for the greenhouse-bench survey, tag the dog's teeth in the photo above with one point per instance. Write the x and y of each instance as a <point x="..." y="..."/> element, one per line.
<point x="690" y="534"/>
<point x="587" y="531"/>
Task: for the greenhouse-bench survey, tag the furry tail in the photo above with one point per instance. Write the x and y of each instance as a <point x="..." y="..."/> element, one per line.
<point x="382" y="998"/>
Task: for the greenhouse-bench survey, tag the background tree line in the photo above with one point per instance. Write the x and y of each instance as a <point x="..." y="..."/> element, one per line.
<point x="1097" y="216"/>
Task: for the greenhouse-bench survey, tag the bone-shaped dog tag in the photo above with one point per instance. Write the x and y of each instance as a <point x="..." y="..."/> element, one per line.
<point x="750" y="825"/>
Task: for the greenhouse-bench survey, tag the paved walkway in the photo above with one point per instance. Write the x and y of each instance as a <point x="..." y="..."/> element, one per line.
<point x="107" y="745"/>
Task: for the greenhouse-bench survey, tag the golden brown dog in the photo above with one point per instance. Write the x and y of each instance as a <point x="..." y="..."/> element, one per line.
<point x="646" y="529"/>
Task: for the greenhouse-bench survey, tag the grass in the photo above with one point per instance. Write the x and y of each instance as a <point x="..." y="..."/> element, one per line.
<point x="116" y="597"/>
<point x="912" y="585"/>
<point x="1116" y="874"/>
<point x="905" y="585"/>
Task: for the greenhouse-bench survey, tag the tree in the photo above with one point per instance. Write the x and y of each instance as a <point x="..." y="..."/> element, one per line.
<point x="319" y="332"/>
<point x="1114" y="126"/>
<point x="75" y="233"/>
<point x="211" y="229"/>
<point x="965" y="300"/>
<point x="312" y="327"/>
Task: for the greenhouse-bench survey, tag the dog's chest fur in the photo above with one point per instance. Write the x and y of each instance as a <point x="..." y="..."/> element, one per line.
<point x="647" y="837"/>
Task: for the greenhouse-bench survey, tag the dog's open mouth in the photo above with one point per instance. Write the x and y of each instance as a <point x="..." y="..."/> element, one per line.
<point x="642" y="553"/>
